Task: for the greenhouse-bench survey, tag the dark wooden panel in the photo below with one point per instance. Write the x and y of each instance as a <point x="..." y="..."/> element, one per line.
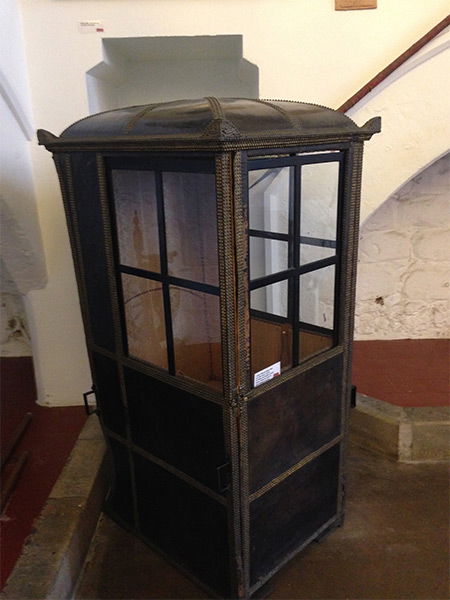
<point x="291" y="512"/>
<point x="180" y="428"/>
<point x="292" y="420"/>
<point x="89" y="216"/>
<point x="120" y="499"/>
<point x="107" y="393"/>
<point x="184" y="523"/>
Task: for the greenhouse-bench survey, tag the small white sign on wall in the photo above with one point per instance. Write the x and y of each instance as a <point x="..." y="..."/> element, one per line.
<point x="267" y="374"/>
<point x="90" y="27"/>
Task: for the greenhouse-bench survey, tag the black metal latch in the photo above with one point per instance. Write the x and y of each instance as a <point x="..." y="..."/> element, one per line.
<point x="353" y="393"/>
<point x="91" y="409"/>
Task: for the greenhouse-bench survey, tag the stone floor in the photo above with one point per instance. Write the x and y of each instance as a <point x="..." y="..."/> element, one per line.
<point x="392" y="546"/>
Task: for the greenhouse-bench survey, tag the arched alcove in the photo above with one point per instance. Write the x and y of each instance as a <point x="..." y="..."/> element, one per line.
<point x="140" y="70"/>
<point x="414" y="107"/>
<point x="403" y="275"/>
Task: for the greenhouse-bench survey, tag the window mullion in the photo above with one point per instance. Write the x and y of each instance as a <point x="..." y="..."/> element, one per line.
<point x="294" y="280"/>
<point x="291" y="245"/>
<point x="337" y="337"/>
<point x="165" y="272"/>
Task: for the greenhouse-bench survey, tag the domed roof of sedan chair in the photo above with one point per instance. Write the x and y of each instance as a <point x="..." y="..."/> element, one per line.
<point x="209" y="123"/>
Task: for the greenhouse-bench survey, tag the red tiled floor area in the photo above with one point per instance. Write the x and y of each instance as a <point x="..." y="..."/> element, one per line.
<point x="48" y="439"/>
<point x="403" y="372"/>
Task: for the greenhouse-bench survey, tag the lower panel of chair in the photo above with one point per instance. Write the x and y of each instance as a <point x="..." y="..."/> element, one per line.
<point x="288" y="514"/>
<point x="181" y="521"/>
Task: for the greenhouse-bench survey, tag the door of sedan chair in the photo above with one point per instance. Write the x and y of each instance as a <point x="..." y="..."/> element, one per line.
<point x="293" y="250"/>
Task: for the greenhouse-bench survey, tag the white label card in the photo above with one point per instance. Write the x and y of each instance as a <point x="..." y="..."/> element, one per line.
<point x="267" y="374"/>
<point x="90" y="27"/>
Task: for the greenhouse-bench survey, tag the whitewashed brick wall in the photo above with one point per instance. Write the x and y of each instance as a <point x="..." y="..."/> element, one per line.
<point x="403" y="288"/>
<point x="14" y="337"/>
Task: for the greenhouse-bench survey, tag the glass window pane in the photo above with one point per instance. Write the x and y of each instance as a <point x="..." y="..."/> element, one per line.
<point x="310" y="253"/>
<point x="271" y="298"/>
<point x="136" y="218"/>
<point x="319" y="200"/>
<point x="191" y="226"/>
<point x="267" y="257"/>
<point x="144" y="318"/>
<point x="196" y="333"/>
<point x="317" y="297"/>
<point x="268" y="199"/>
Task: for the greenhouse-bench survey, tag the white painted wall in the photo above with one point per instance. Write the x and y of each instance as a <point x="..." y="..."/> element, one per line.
<point x="22" y="256"/>
<point x="304" y="49"/>
<point x="404" y="261"/>
<point x="169" y="68"/>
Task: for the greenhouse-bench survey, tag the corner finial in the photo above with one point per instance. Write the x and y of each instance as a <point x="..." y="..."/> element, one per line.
<point x="372" y="126"/>
<point x="45" y="137"/>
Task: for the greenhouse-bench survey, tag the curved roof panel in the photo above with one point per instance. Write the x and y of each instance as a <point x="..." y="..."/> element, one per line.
<point x="219" y="120"/>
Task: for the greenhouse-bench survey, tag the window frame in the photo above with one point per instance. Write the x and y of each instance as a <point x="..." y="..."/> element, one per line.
<point x="296" y="160"/>
<point x="158" y="165"/>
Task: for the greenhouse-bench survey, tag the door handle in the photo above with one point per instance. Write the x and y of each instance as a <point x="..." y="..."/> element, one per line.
<point x="90" y="410"/>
